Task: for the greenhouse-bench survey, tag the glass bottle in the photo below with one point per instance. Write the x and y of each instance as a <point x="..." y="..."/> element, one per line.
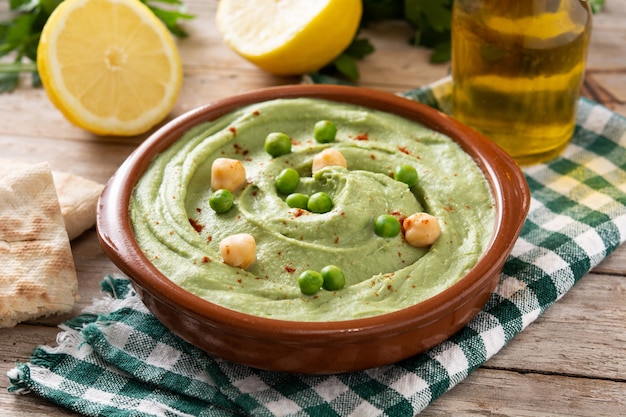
<point x="518" y="68"/>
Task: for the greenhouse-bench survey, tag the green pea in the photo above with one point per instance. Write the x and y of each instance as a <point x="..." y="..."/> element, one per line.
<point x="297" y="200"/>
<point x="334" y="278"/>
<point x="310" y="282"/>
<point x="320" y="203"/>
<point x="221" y="201"/>
<point x="386" y="225"/>
<point x="406" y="174"/>
<point x="324" y="131"/>
<point x="287" y="180"/>
<point x="277" y="144"/>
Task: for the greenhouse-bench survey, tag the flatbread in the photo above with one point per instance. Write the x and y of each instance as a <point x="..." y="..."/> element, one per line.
<point x="37" y="273"/>
<point x="78" y="198"/>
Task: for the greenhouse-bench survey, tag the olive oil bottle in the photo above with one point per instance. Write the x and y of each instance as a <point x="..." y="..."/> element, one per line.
<point x="518" y="68"/>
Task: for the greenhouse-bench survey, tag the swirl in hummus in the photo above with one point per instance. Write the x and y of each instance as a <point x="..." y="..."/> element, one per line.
<point x="180" y="233"/>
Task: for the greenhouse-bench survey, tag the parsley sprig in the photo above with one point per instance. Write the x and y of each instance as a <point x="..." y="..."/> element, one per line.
<point x="20" y="33"/>
<point x="430" y="20"/>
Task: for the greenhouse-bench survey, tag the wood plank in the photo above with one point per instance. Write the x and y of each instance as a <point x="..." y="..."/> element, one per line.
<point x="582" y="335"/>
<point x="614" y="263"/>
<point x="97" y="160"/>
<point x="20" y="341"/>
<point x="489" y="392"/>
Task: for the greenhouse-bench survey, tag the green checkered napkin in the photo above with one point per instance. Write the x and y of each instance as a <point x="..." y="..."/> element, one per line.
<point x="117" y="360"/>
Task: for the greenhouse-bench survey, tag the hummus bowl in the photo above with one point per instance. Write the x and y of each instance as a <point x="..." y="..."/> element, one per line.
<point x="155" y="223"/>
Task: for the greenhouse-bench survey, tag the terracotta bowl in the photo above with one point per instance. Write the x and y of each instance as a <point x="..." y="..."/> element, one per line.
<point x="314" y="347"/>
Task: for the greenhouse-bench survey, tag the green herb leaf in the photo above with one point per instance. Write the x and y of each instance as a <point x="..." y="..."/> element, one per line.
<point x="171" y="15"/>
<point x="430" y="18"/>
<point x="347" y="66"/>
<point x="596" y="5"/>
<point x="441" y="53"/>
<point x="8" y="82"/>
<point x="374" y="10"/>
<point x="429" y="14"/>
<point x="359" y="48"/>
<point x="10" y="72"/>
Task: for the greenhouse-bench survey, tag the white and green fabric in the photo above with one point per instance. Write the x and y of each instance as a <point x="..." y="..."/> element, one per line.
<point x="117" y="360"/>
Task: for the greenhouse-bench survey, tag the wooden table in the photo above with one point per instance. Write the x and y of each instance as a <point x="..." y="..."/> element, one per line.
<point x="571" y="361"/>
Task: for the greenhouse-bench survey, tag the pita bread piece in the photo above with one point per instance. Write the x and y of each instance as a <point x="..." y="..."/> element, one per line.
<point x="37" y="273"/>
<point x="78" y="198"/>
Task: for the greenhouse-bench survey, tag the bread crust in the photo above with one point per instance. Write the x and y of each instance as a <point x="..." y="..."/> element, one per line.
<point x="37" y="272"/>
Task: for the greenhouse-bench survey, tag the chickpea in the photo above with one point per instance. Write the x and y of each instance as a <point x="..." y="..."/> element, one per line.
<point x="327" y="158"/>
<point x="238" y="250"/>
<point x="228" y="174"/>
<point x="421" y="229"/>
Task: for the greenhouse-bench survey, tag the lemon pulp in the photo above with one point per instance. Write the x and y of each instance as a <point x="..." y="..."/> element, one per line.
<point x="110" y="66"/>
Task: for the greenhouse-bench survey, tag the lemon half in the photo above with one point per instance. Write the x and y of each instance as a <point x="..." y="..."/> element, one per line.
<point x="288" y="37"/>
<point x="110" y="66"/>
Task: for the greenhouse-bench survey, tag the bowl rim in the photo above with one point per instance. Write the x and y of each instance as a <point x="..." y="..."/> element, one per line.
<point x="508" y="186"/>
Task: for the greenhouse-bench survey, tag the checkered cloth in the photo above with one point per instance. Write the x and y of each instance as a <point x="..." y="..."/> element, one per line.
<point x="117" y="360"/>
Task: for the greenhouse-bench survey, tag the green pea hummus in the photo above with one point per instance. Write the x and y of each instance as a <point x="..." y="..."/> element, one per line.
<point x="180" y="233"/>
